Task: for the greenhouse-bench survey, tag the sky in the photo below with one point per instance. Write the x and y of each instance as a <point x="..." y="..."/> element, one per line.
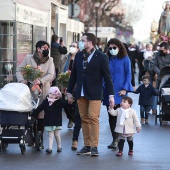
<point x="151" y="9"/>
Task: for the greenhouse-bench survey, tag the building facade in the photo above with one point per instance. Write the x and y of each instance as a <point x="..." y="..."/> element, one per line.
<point x="23" y="23"/>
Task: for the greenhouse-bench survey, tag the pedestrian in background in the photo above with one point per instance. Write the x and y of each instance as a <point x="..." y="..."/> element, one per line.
<point x="57" y="49"/>
<point x="146" y="92"/>
<point x="52" y="107"/>
<point x="39" y="58"/>
<point x="68" y="60"/>
<point x="120" y="68"/>
<point x="126" y="120"/>
<point x="89" y="69"/>
<point x="67" y="64"/>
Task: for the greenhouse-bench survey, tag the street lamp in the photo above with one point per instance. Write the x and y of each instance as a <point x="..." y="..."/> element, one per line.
<point x="97" y="4"/>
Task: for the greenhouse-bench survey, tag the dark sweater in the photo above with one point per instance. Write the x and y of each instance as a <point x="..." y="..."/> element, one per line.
<point x="52" y="114"/>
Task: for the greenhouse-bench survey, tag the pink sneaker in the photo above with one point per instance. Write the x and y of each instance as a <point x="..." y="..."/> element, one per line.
<point x="119" y="153"/>
<point x="130" y="153"/>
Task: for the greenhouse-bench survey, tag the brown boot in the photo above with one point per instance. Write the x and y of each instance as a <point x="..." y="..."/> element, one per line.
<point x="146" y="121"/>
<point x="142" y="121"/>
<point x="74" y="145"/>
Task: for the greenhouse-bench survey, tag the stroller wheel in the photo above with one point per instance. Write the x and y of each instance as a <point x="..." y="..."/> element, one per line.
<point x="4" y="146"/>
<point x="23" y="148"/>
<point x="39" y="141"/>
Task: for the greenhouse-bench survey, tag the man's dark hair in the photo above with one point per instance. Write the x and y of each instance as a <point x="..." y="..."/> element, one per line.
<point x="91" y="37"/>
<point x="54" y="38"/>
<point x="41" y="43"/>
<point x="165" y="45"/>
<point x="126" y="98"/>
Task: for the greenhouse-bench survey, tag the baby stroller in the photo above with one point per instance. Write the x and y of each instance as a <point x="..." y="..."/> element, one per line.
<point x="164" y="96"/>
<point x="16" y="105"/>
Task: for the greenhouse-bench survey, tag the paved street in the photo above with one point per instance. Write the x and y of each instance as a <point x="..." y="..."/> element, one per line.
<point x="151" y="151"/>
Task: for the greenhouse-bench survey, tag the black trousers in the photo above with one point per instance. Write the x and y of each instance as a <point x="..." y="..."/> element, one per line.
<point x="112" y="123"/>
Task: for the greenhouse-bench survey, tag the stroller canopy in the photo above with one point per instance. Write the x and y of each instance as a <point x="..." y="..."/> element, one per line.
<point x="15" y="97"/>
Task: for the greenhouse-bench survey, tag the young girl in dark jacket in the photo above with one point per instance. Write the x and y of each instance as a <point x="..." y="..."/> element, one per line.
<point x="52" y="107"/>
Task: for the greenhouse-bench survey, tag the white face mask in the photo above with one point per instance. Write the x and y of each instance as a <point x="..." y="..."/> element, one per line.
<point x="114" y="52"/>
<point x="73" y="50"/>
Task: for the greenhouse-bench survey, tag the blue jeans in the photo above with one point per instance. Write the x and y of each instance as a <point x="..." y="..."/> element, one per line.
<point x="155" y="99"/>
<point x="144" y="111"/>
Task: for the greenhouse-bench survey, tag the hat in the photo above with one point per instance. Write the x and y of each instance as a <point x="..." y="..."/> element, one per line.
<point x="55" y="90"/>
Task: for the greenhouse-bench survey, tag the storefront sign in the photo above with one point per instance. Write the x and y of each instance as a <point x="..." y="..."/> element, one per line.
<point x="31" y="16"/>
<point x="75" y="26"/>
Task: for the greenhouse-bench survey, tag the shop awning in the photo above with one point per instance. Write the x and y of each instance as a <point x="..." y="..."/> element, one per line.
<point x="8" y="7"/>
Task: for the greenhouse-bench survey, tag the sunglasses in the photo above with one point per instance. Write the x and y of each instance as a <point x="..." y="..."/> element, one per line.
<point x="114" y="48"/>
<point x="73" y="46"/>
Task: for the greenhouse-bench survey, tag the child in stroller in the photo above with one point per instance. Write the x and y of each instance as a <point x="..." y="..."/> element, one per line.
<point x="164" y="96"/>
<point x="15" y="121"/>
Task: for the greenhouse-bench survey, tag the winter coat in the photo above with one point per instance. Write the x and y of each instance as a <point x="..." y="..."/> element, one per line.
<point x="121" y="77"/>
<point x="160" y="62"/>
<point x="128" y="123"/>
<point x="146" y="93"/>
<point x="46" y="78"/>
<point x="53" y="113"/>
<point x="56" y="53"/>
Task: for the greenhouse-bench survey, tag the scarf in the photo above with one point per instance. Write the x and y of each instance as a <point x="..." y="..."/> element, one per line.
<point x="51" y="101"/>
<point x="124" y="115"/>
<point x="39" y="60"/>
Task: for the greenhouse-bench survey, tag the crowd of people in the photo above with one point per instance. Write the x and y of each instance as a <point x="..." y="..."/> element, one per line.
<point x="96" y="77"/>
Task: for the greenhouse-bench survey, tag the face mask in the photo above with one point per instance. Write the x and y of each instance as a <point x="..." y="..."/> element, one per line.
<point x="72" y="50"/>
<point x="45" y="53"/>
<point x="81" y="45"/>
<point x="114" y="52"/>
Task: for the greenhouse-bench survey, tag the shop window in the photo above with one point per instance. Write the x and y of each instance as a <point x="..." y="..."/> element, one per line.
<point x="24" y="41"/>
<point x="7" y="52"/>
<point x="39" y="33"/>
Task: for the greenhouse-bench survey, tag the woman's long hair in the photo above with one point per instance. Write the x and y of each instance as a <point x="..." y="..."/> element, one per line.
<point x="122" y="51"/>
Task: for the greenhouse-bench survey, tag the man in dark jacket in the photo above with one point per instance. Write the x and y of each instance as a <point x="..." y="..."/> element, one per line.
<point x="57" y="49"/>
<point x="90" y="67"/>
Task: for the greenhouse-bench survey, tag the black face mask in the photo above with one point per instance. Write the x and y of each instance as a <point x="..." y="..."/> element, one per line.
<point x="161" y="53"/>
<point x="45" y="53"/>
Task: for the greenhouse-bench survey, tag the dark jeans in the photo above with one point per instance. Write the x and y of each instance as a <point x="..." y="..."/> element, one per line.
<point x="112" y="123"/>
<point x="77" y="123"/>
<point x="144" y="111"/>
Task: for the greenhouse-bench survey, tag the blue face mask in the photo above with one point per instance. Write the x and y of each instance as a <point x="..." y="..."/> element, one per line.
<point x="81" y="45"/>
<point x="114" y="52"/>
